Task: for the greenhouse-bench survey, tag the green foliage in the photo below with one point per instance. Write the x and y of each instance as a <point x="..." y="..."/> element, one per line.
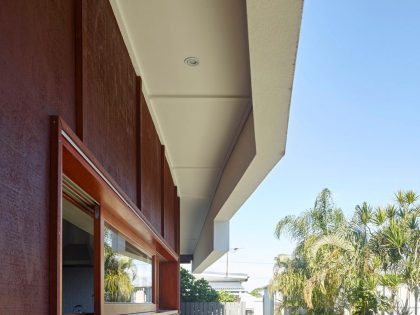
<point x="256" y="292"/>
<point x="199" y="290"/>
<point x="196" y="290"/>
<point x="306" y="279"/>
<point x="224" y="296"/>
<point x="340" y="264"/>
<point x="118" y="279"/>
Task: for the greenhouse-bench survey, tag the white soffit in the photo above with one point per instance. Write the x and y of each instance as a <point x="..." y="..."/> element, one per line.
<point x="200" y="130"/>
<point x="198" y="111"/>
<point x="219" y="142"/>
<point x="160" y="34"/>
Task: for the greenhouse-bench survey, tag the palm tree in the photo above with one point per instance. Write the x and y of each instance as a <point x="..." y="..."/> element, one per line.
<point x="323" y="218"/>
<point x="366" y="264"/>
<point x="341" y="264"/>
<point x="119" y="273"/>
<point x="383" y="248"/>
<point x="288" y="279"/>
<point x="309" y="280"/>
<point x="399" y="239"/>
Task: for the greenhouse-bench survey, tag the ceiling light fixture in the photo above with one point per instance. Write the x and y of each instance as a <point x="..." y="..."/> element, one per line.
<point x="192" y="61"/>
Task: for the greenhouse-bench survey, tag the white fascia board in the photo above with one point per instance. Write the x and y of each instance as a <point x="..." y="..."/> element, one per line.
<point x="273" y="33"/>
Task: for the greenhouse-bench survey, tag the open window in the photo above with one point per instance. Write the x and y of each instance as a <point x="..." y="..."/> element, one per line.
<point x="128" y="271"/>
<point x="128" y="275"/>
<point x="105" y="257"/>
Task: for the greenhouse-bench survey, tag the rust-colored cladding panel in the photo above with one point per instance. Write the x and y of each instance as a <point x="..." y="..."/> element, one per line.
<point x="169" y="297"/>
<point x="169" y="206"/>
<point x="109" y="95"/>
<point x="56" y="61"/>
<point x="36" y="80"/>
<point x="151" y="169"/>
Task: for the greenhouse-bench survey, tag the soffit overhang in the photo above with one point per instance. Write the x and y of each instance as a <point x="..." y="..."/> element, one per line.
<point x="224" y="122"/>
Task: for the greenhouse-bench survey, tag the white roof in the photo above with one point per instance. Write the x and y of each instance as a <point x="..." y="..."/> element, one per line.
<point x="227" y="286"/>
<point x="222" y="277"/>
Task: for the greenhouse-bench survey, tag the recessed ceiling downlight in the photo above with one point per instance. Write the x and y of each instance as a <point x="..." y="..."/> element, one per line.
<point x="192" y="61"/>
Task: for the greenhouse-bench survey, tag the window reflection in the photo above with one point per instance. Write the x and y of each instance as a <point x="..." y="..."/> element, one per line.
<point x="127" y="271"/>
<point x="78" y="254"/>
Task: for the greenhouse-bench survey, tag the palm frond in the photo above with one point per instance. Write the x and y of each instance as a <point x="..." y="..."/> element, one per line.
<point x="333" y="240"/>
<point x="284" y="225"/>
<point x="411" y="197"/>
<point x="379" y="216"/>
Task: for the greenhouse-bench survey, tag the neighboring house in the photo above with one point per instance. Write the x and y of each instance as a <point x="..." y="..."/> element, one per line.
<point x="254" y="305"/>
<point x="220" y="282"/>
<point x="263" y="305"/>
<point x="232" y="283"/>
<point x="402" y="295"/>
<point x="131" y="132"/>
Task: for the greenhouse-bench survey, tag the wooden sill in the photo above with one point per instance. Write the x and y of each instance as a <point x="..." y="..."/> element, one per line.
<point x="128" y="308"/>
<point x="167" y="312"/>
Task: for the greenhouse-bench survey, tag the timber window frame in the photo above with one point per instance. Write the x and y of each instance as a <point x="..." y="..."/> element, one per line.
<point x="69" y="157"/>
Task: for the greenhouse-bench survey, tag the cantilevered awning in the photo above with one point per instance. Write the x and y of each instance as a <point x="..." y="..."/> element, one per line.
<point x="224" y="121"/>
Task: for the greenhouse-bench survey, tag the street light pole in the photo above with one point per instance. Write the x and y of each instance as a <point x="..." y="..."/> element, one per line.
<point x="227" y="264"/>
<point x="227" y="260"/>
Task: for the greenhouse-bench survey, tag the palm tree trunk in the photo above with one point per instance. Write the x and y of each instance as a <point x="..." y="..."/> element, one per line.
<point x="407" y="299"/>
<point x="393" y="300"/>
<point x="383" y="293"/>
<point x="416" y="298"/>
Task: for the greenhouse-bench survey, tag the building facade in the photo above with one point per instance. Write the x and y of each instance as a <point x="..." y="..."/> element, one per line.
<point x="120" y="156"/>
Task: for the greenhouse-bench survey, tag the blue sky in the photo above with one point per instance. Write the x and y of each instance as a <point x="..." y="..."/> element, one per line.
<point x="354" y="124"/>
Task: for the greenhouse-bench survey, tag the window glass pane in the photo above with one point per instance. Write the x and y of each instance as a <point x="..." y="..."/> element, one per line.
<point x="78" y="259"/>
<point x="128" y="271"/>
